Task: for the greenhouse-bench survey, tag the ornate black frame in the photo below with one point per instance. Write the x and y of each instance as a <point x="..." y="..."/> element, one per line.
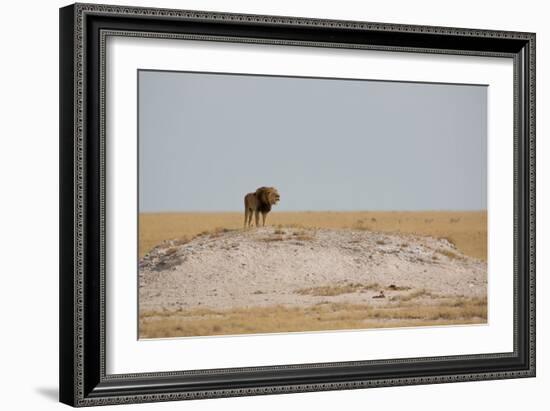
<point x="83" y="30"/>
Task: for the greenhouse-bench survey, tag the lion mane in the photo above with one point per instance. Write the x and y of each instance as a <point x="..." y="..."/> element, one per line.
<point x="259" y="202"/>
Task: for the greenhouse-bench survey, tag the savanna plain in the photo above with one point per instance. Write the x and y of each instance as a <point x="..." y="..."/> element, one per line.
<point x="203" y="274"/>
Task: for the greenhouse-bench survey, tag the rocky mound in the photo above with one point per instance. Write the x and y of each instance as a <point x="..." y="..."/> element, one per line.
<point x="295" y="266"/>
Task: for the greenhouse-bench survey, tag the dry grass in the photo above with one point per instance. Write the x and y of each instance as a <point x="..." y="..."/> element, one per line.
<point x="345" y="288"/>
<point x="320" y="317"/>
<point x="279" y="235"/>
<point x="337" y="289"/>
<point x="466" y="230"/>
<point x="449" y="254"/>
<point x="349" y="288"/>
<point x="303" y="237"/>
<point x="272" y="239"/>
<point x="413" y="296"/>
<point x="393" y="287"/>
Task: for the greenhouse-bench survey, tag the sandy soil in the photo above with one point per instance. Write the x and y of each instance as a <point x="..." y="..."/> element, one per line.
<point x="302" y="267"/>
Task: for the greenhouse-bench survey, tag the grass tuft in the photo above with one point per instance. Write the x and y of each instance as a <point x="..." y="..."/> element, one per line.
<point x="423" y="293"/>
<point x="450" y="254"/>
<point x="338" y="289"/>
<point x="272" y="239"/>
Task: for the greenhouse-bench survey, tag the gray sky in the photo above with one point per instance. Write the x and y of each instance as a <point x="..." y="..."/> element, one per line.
<point x="205" y="140"/>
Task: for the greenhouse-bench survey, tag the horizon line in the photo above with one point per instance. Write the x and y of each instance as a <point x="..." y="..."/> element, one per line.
<point x="321" y="211"/>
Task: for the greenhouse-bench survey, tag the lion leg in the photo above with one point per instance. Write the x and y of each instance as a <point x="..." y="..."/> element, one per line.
<point x="264" y="215"/>
<point x="248" y="217"/>
<point x="257" y="217"/>
<point x="245" y="216"/>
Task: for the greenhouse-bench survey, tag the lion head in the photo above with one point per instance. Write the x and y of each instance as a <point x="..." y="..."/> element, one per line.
<point x="268" y="195"/>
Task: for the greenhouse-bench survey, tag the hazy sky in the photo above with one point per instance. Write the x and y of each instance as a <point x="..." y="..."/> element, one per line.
<point x="205" y="140"/>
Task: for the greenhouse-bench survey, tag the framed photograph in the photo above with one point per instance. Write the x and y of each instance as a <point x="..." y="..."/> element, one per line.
<point x="262" y="204"/>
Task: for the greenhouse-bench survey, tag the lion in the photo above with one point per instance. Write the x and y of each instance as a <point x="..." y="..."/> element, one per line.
<point x="258" y="202"/>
